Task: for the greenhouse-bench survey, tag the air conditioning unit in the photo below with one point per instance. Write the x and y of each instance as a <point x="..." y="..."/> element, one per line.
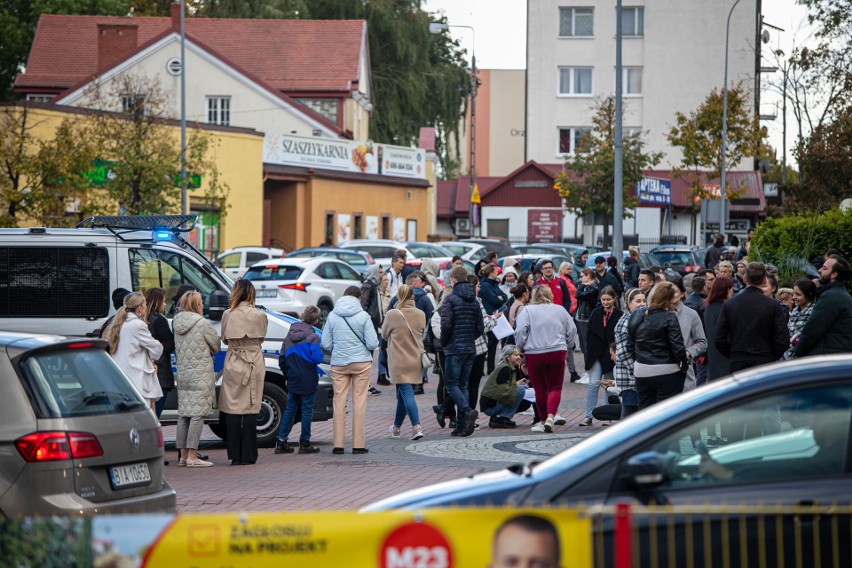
<point x="463" y="226"/>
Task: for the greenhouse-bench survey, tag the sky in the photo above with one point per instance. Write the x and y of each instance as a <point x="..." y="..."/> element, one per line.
<point x="500" y="34"/>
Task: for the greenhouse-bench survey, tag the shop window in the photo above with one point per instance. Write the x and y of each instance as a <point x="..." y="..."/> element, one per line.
<point x="498" y="228"/>
<point x="329" y="227"/>
<point x="386" y="232"/>
<point x="357" y="226"/>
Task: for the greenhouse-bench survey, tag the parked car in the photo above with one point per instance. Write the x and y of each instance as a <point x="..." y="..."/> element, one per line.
<point x="289" y="285"/>
<point x="502" y="248"/>
<point x="646" y="259"/>
<point x="359" y="260"/>
<point x="383" y="251"/>
<point x="528" y="260"/>
<point x="681" y="258"/>
<point x="565" y="249"/>
<point x="234" y="262"/>
<point x="468" y="251"/>
<point x="75" y="435"/>
<point x="796" y="420"/>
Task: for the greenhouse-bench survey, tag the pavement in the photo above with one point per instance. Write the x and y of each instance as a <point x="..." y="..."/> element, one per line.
<point x="323" y="481"/>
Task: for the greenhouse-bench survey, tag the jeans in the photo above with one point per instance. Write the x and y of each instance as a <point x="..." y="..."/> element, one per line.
<point x="383" y="362"/>
<point x="595" y="376"/>
<point x="506" y="410"/>
<point x="629" y="403"/>
<point x="405" y="405"/>
<point x="294" y="401"/>
<point x="569" y="360"/>
<point x="457" y="368"/>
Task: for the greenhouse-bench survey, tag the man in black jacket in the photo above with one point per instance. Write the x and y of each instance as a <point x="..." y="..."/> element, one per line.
<point x="829" y="329"/>
<point x="714" y="253"/>
<point x="696" y="299"/>
<point x="461" y="324"/>
<point x="603" y="276"/>
<point x="752" y="330"/>
<point x="632" y="268"/>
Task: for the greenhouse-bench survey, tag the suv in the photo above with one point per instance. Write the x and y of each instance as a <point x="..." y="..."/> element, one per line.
<point x="357" y="259"/>
<point x="75" y="436"/>
<point x="681" y="258"/>
<point x="234" y="262"/>
<point x="60" y="280"/>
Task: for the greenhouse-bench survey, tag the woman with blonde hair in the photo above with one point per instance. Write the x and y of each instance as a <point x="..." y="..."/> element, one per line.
<point x="403" y="330"/>
<point x="544" y="331"/>
<point x="656" y="343"/>
<point x="195" y="341"/>
<point x="160" y="330"/>
<point x="243" y="330"/>
<point x="134" y="349"/>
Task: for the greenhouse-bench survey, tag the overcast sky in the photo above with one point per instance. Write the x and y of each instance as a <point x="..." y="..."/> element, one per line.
<point x="500" y="29"/>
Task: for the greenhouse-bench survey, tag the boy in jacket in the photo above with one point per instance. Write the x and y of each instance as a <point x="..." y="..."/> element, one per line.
<point x="300" y="355"/>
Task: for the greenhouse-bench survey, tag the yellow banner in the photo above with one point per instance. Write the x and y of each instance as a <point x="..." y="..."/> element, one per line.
<point x="431" y="538"/>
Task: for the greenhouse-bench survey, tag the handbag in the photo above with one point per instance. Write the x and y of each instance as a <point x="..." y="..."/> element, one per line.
<point x="425" y="361"/>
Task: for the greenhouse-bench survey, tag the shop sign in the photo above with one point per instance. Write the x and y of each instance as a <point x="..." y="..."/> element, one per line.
<point x="544" y="225"/>
<point x="650" y="190"/>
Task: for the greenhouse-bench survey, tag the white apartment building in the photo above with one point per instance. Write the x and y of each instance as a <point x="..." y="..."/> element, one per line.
<point x="673" y="55"/>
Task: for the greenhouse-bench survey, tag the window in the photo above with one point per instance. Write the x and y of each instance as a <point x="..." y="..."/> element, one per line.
<point x="150" y="268"/>
<point x="230" y="260"/>
<point x="353" y="259"/>
<point x="67" y="282"/>
<point x="329" y="227"/>
<point x="576" y="22"/>
<point x="498" y="228"/>
<point x="632" y="80"/>
<point x="133" y="104"/>
<point x="347" y="273"/>
<point x="572" y="140"/>
<point x="575" y="80"/>
<point x="357" y="225"/>
<point x="386" y="233"/>
<point x="273" y="272"/>
<point x="255" y="257"/>
<point x="633" y="21"/>
<point x="39" y="98"/>
<point x="794" y="435"/>
<point x="219" y="110"/>
<point x="328" y="271"/>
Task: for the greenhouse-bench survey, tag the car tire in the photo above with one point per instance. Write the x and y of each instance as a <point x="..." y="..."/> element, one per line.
<point x="325" y="308"/>
<point x="272" y="407"/>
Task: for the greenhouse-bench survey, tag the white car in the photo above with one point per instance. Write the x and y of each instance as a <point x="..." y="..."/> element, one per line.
<point x="383" y="251"/>
<point x="468" y="251"/>
<point x="234" y="262"/>
<point x="289" y="285"/>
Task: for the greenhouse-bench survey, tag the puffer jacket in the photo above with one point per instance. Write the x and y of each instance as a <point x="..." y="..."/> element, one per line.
<point x="195" y="343"/>
<point x="349" y="333"/>
<point x="300" y="355"/>
<point x="654" y="337"/>
<point x="461" y="320"/>
<point x="491" y="295"/>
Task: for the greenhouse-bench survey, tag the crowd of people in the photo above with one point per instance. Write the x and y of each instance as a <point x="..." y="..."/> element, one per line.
<point x="642" y="337"/>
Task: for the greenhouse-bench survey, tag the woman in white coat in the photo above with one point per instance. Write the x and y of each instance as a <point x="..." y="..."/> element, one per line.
<point x="134" y="349"/>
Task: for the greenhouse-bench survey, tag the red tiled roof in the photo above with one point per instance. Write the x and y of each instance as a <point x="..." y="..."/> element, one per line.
<point x="290" y="55"/>
<point x="453" y="196"/>
<point x="750" y="182"/>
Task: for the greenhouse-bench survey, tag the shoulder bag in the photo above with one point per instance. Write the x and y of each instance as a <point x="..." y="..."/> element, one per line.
<point x="425" y="361"/>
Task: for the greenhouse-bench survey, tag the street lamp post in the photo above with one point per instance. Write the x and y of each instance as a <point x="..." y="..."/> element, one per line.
<point x="184" y="199"/>
<point x="436" y="28"/>
<point x="723" y="221"/>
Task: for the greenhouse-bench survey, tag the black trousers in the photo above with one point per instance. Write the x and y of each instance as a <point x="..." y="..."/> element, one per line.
<point x="474" y="379"/>
<point x="241" y="437"/>
<point x="652" y="390"/>
<point x="492" y="352"/>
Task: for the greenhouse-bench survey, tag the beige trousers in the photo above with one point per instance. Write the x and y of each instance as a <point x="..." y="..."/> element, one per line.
<point x="356" y="376"/>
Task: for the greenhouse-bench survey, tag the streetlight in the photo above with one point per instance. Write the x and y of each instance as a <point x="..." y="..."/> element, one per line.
<point x="723" y="221"/>
<point x="437" y="28"/>
<point x="184" y="199"/>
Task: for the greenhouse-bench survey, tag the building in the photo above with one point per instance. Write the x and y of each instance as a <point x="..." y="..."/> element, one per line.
<point x="673" y="57"/>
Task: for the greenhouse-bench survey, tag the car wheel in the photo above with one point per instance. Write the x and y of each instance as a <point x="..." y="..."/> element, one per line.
<point x="324" y="309"/>
<point x="272" y="407"/>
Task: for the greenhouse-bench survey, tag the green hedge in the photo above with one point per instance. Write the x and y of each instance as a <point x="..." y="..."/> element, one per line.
<point x="790" y="242"/>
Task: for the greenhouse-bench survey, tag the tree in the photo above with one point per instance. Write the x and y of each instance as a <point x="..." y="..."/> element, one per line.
<point x="825" y="160"/>
<point x="699" y="136"/>
<point x="419" y="79"/>
<point x="18" y="19"/>
<point x="588" y="186"/>
<point x="144" y="152"/>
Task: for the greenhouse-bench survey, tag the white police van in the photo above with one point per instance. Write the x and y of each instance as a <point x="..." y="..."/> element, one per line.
<point x="60" y="281"/>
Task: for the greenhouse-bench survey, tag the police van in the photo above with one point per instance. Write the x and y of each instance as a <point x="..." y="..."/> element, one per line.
<point x="60" y="281"/>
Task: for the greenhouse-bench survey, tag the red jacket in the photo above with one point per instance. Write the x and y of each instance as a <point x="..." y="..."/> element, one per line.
<point x="561" y="295"/>
<point x="571" y="290"/>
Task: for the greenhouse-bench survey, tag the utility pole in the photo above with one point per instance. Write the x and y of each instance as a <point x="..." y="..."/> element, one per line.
<point x="618" y="200"/>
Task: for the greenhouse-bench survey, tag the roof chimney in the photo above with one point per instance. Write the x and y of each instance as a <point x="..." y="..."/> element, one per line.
<point x="114" y="42"/>
<point x="175" y="7"/>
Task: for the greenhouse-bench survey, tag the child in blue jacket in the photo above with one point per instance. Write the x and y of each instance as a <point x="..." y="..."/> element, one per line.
<point x="300" y="355"/>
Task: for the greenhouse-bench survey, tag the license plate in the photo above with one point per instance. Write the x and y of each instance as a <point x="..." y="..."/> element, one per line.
<point x="129" y="475"/>
<point x="267" y="293"/>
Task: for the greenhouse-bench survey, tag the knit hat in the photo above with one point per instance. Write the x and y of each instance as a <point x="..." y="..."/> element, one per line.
<point x="118" y="297"/>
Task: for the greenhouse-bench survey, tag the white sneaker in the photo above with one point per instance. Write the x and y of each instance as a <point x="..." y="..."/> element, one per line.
<point x="559" y="421"/>
<point x="584" y="380"/>
<point x="394" y="431"/>
<point x="538" y="427"/>
<point x="548" y="425"/>
<point x="528" y="412"/>
<point x="416" y="433"/>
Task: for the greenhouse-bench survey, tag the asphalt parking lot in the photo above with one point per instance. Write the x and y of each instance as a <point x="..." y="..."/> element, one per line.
<point x="328" y="482"/>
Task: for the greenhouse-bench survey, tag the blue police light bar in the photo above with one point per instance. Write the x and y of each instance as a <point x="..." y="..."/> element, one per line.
<point x="162" y="235"/>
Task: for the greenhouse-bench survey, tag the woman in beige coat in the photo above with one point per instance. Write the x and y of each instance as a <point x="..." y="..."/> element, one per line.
<point x="243" y="330"/>
<point x="403" y="330"/>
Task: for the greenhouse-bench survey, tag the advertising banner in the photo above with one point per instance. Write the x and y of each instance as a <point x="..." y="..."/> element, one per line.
<point x="344" y="227"/>
<point x="372" y="227"/>
<point x="344" y="155"/>
<point x="544" y="225"/>
<point x="430" y="538"/>
<point x="650" y="190"/>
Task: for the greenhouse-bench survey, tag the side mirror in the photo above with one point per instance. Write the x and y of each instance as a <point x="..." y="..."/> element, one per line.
<point x="645" y="470"/>
<point x="219" y="302"/>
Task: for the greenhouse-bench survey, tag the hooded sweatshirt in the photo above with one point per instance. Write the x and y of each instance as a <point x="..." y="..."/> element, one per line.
<point x="300" y="355"/>
<point x="349" y="333"/>
<point x="431" y="270"/>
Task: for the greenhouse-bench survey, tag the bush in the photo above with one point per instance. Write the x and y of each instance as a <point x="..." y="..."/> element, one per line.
<point x="793" y="241"/>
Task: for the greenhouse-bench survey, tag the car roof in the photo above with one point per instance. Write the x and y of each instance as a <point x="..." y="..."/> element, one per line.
<point x="271" y="250"/>
<point x="372" y="242"/>
<point x="328" y="249"/>
<point x="302" y="262"/>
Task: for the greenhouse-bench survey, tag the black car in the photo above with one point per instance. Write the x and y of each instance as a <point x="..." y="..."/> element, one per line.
<point x="683" y="259"/>
<point x="777" y="435"/>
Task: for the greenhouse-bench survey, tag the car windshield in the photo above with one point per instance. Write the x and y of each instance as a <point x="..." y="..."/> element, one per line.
<point x="424" y="251"/>
<point x="77" y="382"/>
<point x="684" y="258"/>
<point x="455" y="248"/>
<point x="273" y="272"/>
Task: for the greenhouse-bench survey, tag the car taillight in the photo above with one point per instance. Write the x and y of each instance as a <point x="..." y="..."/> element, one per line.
<point x="370" y="259"/>
<point x="417" y="263"/>
<point x="81" y="345"/>
<point x="692" y="269"/>
<point x="159" y="436"/>
<point x="297" y="286"/>
<point x="52" y="446"/>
